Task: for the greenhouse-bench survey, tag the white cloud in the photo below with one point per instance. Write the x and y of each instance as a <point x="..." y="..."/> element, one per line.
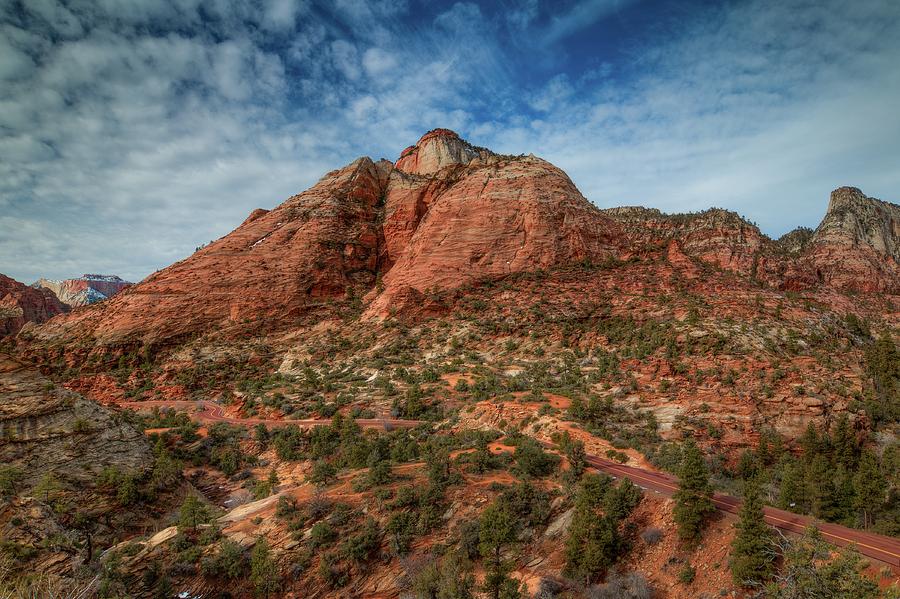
<point x="281" y="15"/>
<point x="156" y="129"/>
<point x="523" y="14"/>
<point x="346" y="59"/>
<point x="584" y="14"/>
<point x="13" y="63"/>
<point x="377" y="62"/>
<point x="557" y="91"/>
<point x="57" y="16"/>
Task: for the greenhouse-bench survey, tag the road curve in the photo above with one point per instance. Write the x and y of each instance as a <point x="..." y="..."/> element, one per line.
<point x="213" y="412"/>
<point x="879" y="547"/>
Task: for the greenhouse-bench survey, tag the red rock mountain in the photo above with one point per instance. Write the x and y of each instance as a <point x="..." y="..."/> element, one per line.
<point x="20" y="304"/>
<point x="446" y="214"/>
<point x="461" y="213"/>
<point x="855" y="248"/>
<point x="87" y="289"/>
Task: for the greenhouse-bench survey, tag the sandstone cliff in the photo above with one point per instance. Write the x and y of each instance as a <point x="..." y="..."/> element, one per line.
<point x="855" y="248"/>
<point x="20" y="304"/>
<point x="265" y="274"/>
<point x="449" y="213"/>
<point x="437" y="149"/>
<point x="857" y="245"/>
<point x="715" y="236"/>
<point x="445" y="215"/>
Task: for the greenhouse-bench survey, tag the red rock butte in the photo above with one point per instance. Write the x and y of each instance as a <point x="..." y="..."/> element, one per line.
<point x="448" y="213"/>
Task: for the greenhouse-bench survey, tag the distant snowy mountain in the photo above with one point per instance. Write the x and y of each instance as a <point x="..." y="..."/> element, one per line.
<point x="88" y="289"/>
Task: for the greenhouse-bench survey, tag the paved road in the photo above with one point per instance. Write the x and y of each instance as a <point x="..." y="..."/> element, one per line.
<point x="884" y="549"/>
<point x="213" y="412"/>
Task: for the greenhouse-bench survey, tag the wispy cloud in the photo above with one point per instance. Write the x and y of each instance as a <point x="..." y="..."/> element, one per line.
<point x="581" y="16"/>
<point x="131" y="132"/>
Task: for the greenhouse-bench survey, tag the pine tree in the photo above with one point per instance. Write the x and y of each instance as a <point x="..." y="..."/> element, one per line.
<point x="593" y="543"/>
<point x="577" y="409"/>
<point x="748" y="465"/>
<point x="820" y="486"/>
<point x="621" y="500"/>
<point x="449" y="578"/>
<point x="844" y="493"/>
<point x="793" y="495"/>
<point x="497" y="530"/>
<point x="811" y="570"/>
<point x="810" y="442"/>
<point x="322" y="473"/>
<point x="869" y="485"/>
<point x="577" y="457"/>
<point x="693" y="500"/>
<point x="193" y="512"/>
<point x="437" y="464"/>
<point x="48" y="486"/>
<point x="481" y="459"/>
<point x="751" y="554"/>
<point x="263" y="569"/>
<point x="844" y="443"/>
<point x="261" y="435"/>
<point x="883" y="366"/>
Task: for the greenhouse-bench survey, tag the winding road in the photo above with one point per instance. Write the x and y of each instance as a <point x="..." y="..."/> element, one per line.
<point x="213" y="412"/>
<point x="879" y="547"/>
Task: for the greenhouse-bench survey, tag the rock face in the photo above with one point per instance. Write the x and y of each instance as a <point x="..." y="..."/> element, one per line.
<point x="496" y="216"/>
<point x="88" y="289"/>
<point x="45" y="429"/>
<point x="263" y="275"/>
<point x="55" y="445"/>
<point x="446" y="214"/>
<point x="857" y="245"/>
<point x="855" y="248"/>
<point x="715" y="236"/>
<point x="437" y="149"/>
<point x="20" y="304"/>
<point x="793" y="242"/>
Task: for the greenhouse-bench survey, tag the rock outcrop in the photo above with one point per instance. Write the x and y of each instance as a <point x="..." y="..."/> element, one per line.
<point x="855" y="248"/>
<point x="436" y="150"/>
<point x="45" y="429"/>
<point x="857" y="245"/>
<point x="264" y="275"/>
<point x="498" y="215"/>
<point x="794" y="242"/>
<point x="85" y="290"/>
<point x="20" y="304"/>
<point x="715" y="236"/>
<point x="54" y="446"/>
<point x="446" y="214"/>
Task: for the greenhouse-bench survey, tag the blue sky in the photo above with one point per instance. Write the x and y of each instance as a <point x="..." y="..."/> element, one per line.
<point x="132" y="131"/>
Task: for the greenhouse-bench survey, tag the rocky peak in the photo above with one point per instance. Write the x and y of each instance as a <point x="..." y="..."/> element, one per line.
<point x="20" y="304"/>
<point x="857" y="245"/>
<point x="715" y="236"/>
<point x="793" y="242"/>
<point x="858" y="220"/>
<point x="437" y="149"/>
